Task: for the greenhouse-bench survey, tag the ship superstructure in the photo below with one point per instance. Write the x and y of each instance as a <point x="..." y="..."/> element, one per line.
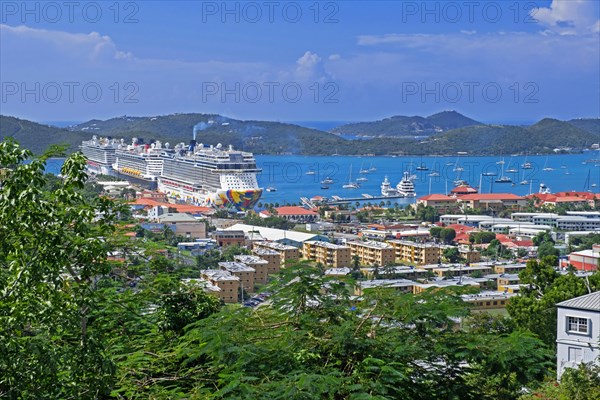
<point x="406" y="187"/>
<point x="195" y="174"/>
<point x="211" y="175"/>
<point x="100" y="154"/>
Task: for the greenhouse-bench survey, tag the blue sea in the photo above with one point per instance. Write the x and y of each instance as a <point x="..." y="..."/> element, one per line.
<point x="288" y="175"/>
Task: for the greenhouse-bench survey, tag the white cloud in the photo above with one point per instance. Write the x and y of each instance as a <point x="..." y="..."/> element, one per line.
<point x="569" y="17"/>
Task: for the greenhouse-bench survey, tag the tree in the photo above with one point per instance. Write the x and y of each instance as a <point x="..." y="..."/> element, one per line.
<point x="535" y="308"/>
<point x="547" y="249"/>
<point x="452" y="255"/>
<point x="447" y="235"/>
<point x="53" y="246"/>
<point x="482" y="237"/>
<point x="435" y="231"/>
<point x="581" y="383"/>
<point x="542" y="237"/>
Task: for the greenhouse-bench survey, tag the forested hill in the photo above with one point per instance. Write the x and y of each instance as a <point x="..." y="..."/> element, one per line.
<point x="408" y="126"/>
<point x="267" y="137"/>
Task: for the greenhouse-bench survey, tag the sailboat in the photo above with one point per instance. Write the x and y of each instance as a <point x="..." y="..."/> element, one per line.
<point x="363" y="170"/>
<point x="372" y="168"/>
<point x="350" y="184"/>
<point x="526" y="164"/>
<point x="546" y="168"/>
<point x="512" y="169"/>
<point x="503" y="179"/>
<point x="422" y="166"/>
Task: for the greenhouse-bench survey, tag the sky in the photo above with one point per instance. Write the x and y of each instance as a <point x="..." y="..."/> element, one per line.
<point x="494" y="61"/>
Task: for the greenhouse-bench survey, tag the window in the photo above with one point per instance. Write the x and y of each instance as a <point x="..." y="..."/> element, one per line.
<point x="576" y="324"/>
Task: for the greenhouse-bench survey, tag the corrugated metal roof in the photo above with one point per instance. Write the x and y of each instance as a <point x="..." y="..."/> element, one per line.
<point x="587" y="302"/>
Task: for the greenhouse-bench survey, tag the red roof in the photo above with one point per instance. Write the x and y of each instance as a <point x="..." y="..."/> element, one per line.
<point x="437" y="197"/>
<point x="491" y="196"/>
<point x="294" y="210"/>
<point x="463" y="189"/>
<point x="460" y="228"/>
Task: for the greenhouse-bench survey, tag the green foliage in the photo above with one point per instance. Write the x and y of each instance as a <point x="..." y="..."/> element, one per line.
<point x="184" y="306"/>
<point x="585" y="242"/>
<point x="535" y="309"/>
<point x="547" y="249"/>
<point x="452" y="254"/>
<point x="427" y="213"/>
<point x="482" y="237"/>
<point x="542" y="237"/>
<point x="52" y="249"/>
<point x="581" y="383"/>
<point x="272" y="221"/>
<point x="435" y="231"/>
<point x="447" y="235"/>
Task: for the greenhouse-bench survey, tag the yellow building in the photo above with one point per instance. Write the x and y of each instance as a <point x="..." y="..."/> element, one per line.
<point x="272" y="258"/>
<point x="286" y="253"/>
<point x="373" y="253"/>
<point x="261" y="267"/>
<point x="329" y="254"/>
<point x="242" y="271"/>
<point x="229" y="284"/>
<point x="417" y="253"/>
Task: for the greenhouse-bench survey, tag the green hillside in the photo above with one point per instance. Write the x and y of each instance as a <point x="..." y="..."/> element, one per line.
<point x="265" y="137"/>
<point x="591" y="125"/>
<point x="408" y="126"/>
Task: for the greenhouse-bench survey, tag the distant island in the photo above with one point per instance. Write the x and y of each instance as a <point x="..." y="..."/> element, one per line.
<point x="444" y="133"/>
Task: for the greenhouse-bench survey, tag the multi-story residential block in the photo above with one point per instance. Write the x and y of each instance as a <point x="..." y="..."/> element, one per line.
<point x="508" y="268"/>
<point x="506" y="281"/>
<point x="449" y="272"/>
<point x="417" y="253"/>
<point x="242" y="271"/>
<point x="286" y="253"/>
<point x="228" y="283"/>
<point x="329" y="254"/>
<point x="440" y="202"/>
<point x="272" y="257"/>
<point x="373" y="253"/>
<point x="398" y="285"/>
<point x="487" y="300"/>
<point x="260" y="266"/>
<point x="578" y="332"/>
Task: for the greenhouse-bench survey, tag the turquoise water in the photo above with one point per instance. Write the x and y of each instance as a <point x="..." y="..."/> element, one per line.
<point x="288" y="174"/>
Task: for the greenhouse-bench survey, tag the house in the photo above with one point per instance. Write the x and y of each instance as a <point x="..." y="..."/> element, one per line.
<point x="184" y="225"/>
<point x="494" y="201"/>
<point x="292" y="213"/>
<point x="578" y="332"/>
<point x="229" y="238"/>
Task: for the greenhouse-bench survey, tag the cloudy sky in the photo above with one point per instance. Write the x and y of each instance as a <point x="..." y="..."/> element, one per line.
<point x="496" y="61"/>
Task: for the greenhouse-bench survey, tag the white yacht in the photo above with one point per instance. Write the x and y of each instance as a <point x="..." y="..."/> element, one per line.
<point x="406" y="187"/>
<point x="387" y="190"/>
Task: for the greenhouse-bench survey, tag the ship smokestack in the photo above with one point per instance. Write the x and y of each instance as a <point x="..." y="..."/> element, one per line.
<point x="192" y="145"/>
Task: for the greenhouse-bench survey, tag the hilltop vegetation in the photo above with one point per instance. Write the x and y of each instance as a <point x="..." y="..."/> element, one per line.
<point x="440" y="134"/>
<point x="408" y="126"/>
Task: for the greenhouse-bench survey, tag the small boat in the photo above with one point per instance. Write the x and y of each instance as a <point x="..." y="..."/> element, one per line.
<point x="372" y="168"/>
<point x="327" y="181"/>
<point x="324" y="187"/>
<point x="311" y="172"/>
<point x="524" y="182"/>
<point x="512" y="170"/>
<point x="503" y="179"/>
<point x="422" y="166"/>
<point x="489" y="174"/>
<point x="527" y="165"/>
<point x="271" y="189"/>
<point x="546" y="168"/>
<point x="434" y="174"/>
<point x="350" y="184"/>
<point x="361" y="179"/>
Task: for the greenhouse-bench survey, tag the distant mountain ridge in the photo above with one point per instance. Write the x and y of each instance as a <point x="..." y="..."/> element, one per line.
<point x="448" y="133"/>
<point x="399" y="126"/>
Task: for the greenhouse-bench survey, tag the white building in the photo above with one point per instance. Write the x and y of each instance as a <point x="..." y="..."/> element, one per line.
<point x="578" y="332"/>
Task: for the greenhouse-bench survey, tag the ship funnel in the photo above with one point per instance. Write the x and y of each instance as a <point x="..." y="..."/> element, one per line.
<point x="192" y="145"/>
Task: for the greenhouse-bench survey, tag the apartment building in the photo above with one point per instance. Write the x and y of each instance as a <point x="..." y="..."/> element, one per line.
<point x="228" y="284"/>
<point x="329" y="254"/>
<point x="229" y="238"/>
<point x="260" y="266"/>
<point x="272" y="257"/>
<point x="373" y="253"/>
<point x="286" y="253"/>
<point x="242" y="271"/>
<point x="417" y="253"/>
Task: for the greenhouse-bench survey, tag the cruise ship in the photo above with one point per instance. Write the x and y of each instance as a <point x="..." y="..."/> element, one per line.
<point x="405" y="186"/>
<point x="211" y="176"/>
<point x="142" y="163"/>
<point x="100" y="154"/>
<point x="194" y="174"/>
